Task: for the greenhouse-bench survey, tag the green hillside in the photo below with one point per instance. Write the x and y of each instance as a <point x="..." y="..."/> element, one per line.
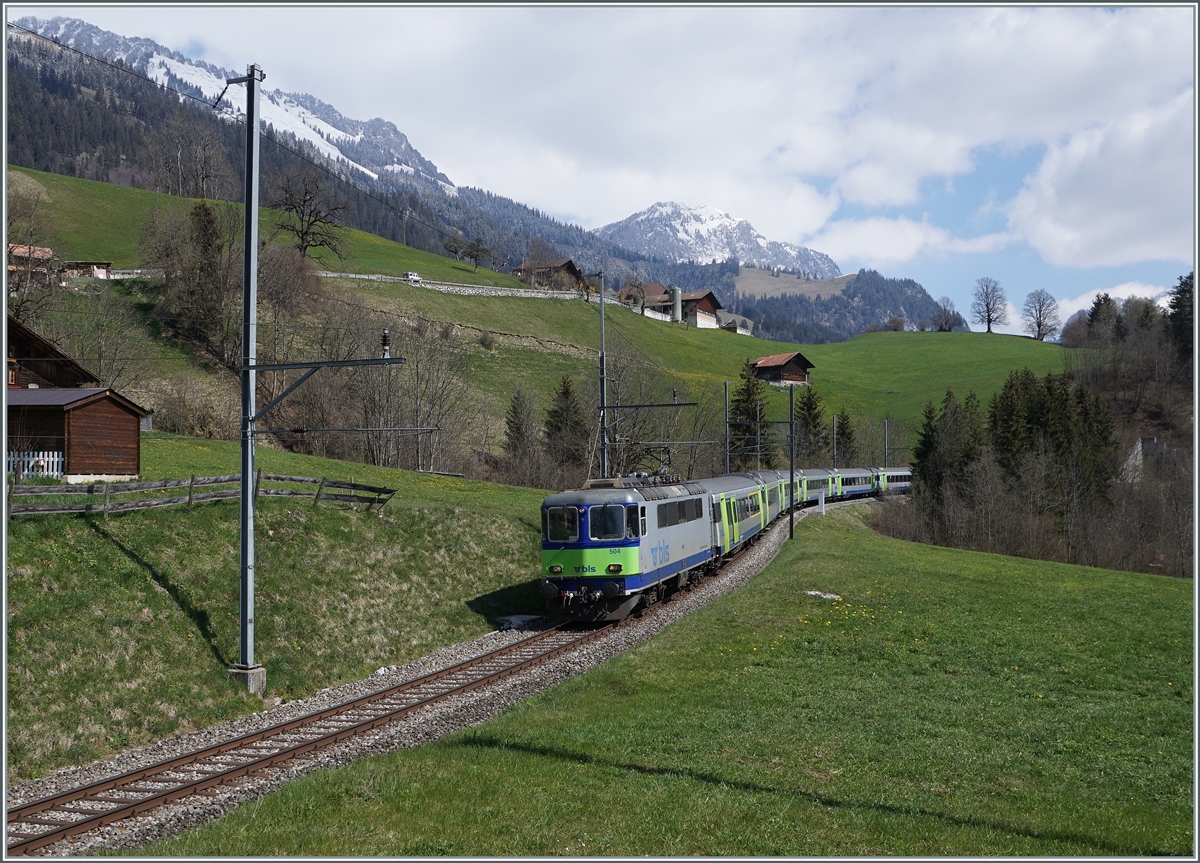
<point x="100" y="222"/>
<point x="945" y="703"/>
<point x="877" y="373"/>
<point x="880" y="373"/>
<point x="120" y="630"/>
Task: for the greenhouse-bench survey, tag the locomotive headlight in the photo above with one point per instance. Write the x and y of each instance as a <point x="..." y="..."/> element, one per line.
<point x="614" y="567"/>
<point x="555" y="570"/>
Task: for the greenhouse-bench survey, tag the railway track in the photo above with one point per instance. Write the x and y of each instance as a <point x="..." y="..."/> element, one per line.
<point x="38" y="824"/>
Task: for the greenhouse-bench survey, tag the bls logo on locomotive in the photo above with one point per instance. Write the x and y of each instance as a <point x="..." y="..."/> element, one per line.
<point x="585" y="569"/>
<point x="660" y="554"/>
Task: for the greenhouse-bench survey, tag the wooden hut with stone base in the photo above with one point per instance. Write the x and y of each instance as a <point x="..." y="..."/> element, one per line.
<point x="783" y="368"/>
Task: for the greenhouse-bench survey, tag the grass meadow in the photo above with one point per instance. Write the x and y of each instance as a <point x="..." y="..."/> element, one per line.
<point x="97" y="221"/>
<point x="948" y="703"/>
<point x="120" y="631"/>
<point x="882" y="374"/>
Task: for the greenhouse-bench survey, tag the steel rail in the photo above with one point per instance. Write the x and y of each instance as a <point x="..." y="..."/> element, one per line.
<point x="156" y="774"/>
<point x="248" y="745"/>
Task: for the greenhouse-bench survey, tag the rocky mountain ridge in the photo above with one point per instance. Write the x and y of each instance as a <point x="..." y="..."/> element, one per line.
<point x="705" y="235"/>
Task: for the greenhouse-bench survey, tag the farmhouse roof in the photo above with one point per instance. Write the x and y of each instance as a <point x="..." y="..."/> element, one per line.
<point x="774" y="360"/>
<point x="545" y="265"/>
<point x="69" y="398"/>
<point x="686" y="296"/>
<point x="38" y="253"/>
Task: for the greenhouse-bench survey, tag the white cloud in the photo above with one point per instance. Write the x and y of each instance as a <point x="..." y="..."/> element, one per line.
<point x="878" y="242"/>
<point x="781" y="115"/>
<point x="1114" y="194"/>
<point x="1071" y="305"/>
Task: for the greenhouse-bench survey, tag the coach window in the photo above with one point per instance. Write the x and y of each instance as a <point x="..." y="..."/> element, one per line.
<point x="631" y="521"/>
<point x="606" y="522"/>
<point x="562" y="524"/>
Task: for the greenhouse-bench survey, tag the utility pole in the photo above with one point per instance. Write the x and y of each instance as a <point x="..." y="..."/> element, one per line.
<point x="758" y="435"/>
<point x="885" y="442"/>
<point x="835" y="441"/>
<point x="726" y="426"/>
<point x="246" y="669"/>
<point x="603" y="390"/>
<point x="792" y="461"/>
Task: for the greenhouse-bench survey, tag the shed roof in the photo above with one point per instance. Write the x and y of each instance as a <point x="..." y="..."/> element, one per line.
<point x="68" y="398"/>
<point x="774" y="360"/>
<point x="686" y="296"/>
<point x="38" y="253"/>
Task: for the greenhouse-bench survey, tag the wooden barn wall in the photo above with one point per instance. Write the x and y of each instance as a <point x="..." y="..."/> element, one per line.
<point x="35" y="429"/>
<point x="102" y="438"/>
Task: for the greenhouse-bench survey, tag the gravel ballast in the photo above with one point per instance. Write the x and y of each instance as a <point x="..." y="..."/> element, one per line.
<point x="429" y="723"/>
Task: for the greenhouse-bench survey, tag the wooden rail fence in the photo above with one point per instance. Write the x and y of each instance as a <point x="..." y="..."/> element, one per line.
<point x="375" y="495"/>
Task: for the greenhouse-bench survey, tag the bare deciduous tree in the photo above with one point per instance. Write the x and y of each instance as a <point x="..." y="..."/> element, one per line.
<point x="190" y="160"/>
<point x="990" y="305"/>
<point x="29" y="230"/>
<point x="454" y="244"/>
<point x="200" y="254"/>
<point x="944" y="317"/>
<point x="314" y="221"/>
<point x="476" y="251"/>
<point x="1041" y="315"/>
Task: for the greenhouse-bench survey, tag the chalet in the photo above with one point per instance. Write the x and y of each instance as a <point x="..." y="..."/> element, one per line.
<point x="545" y="272"/>
<point x="34" y="362"/>
<point x="698" y="308"/>
<point x="29" y="265"/>
<point x="84" y="269"/>
<point x="743" y="326"/>
<point x="61" y="420"/>
<point x="783" y="368"/>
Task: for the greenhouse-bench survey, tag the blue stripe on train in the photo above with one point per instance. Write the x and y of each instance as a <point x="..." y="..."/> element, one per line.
<point x="654" y="576"/>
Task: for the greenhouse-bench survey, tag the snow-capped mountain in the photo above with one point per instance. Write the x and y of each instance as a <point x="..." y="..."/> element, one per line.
<point x="375" y="147"/>
<point x="680" y="233"/>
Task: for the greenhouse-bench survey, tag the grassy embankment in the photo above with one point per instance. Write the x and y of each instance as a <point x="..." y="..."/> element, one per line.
<point x="877" y="373"/>
<point x="100" y="222"/>
<point x="949" y="703"/>
<point x="120" y="630"/>
<point x="881" y="373"/>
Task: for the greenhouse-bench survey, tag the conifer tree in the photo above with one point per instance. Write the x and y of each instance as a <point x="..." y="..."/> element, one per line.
<point x="565" y="430"/>
<point x="812" y="429"/>
<point x="520" y="430"/>
<point x="845" y="447"/>
<point x="751" y="443"/>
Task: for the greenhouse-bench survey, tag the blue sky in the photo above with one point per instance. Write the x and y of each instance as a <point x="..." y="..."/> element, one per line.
<point x="1046" y="147"/>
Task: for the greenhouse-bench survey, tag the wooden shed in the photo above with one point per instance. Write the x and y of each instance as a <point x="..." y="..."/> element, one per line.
<point x="96" y="429"/>
<point x="783" y="368"/>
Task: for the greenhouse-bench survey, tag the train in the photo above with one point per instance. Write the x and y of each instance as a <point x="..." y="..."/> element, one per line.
<point x="620" y="544"/>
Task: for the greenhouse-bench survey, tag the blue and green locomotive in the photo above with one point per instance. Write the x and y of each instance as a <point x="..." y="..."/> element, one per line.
<point x="623" y="543"/>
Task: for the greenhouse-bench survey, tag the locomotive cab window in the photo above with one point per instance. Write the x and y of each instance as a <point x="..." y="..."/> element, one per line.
<point x="631" y="522"/>
<point x="606" y="522"/>
<point x="560" y="524"/>
<point x="644" y="521"/>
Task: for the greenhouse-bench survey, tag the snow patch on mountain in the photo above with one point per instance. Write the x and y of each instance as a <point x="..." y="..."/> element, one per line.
<point x="370" y="146"/>
<point x="680" y="233"/>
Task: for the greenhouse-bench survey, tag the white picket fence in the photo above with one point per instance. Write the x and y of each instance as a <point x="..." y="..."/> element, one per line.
<point x="44" y="463"/>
